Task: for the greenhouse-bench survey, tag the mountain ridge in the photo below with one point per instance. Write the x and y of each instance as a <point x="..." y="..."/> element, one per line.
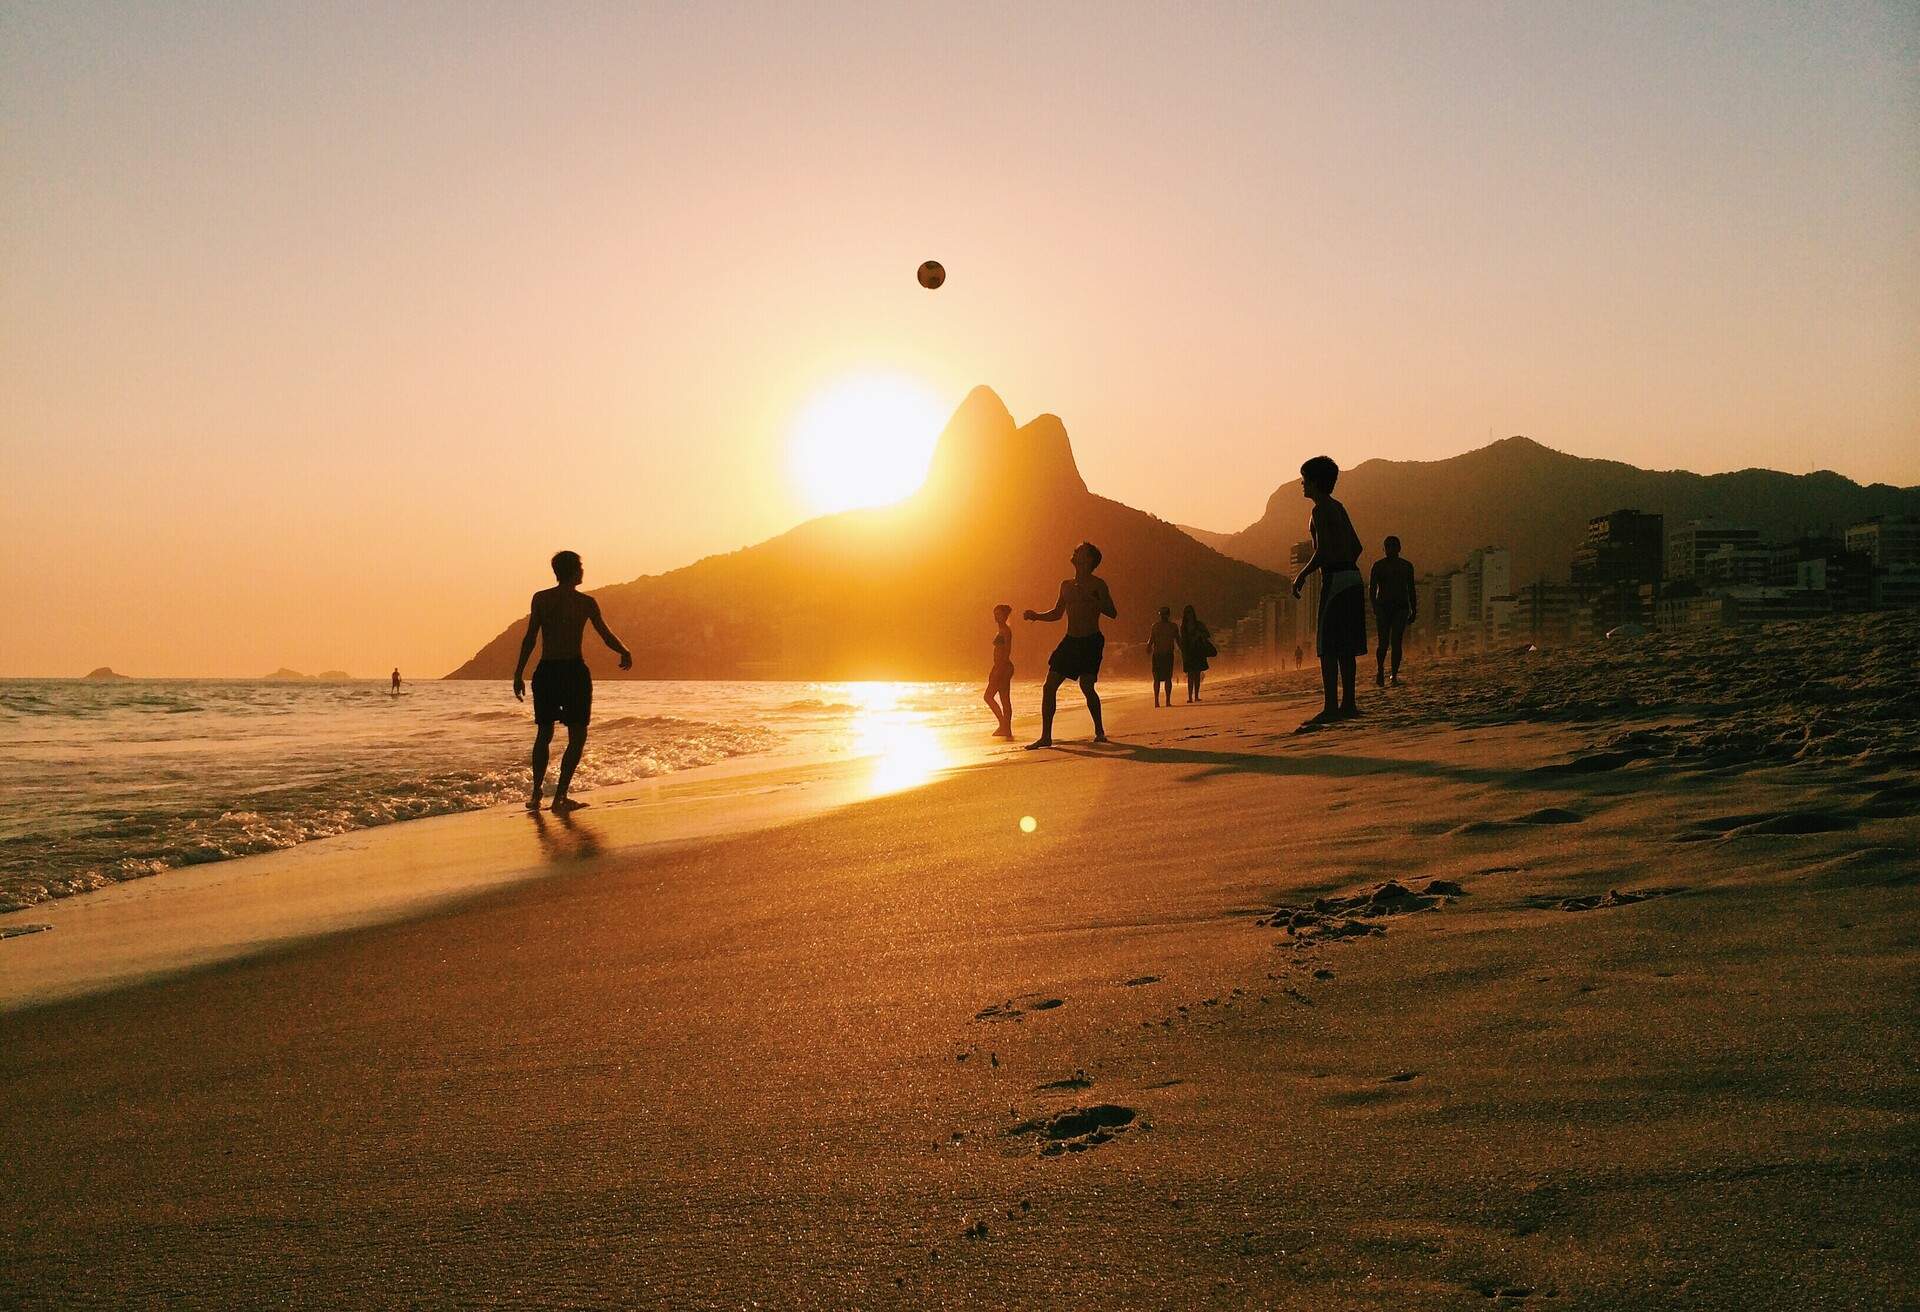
<point x="1535" y="500"/>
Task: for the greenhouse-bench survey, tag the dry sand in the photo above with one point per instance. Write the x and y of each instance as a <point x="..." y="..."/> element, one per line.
<point x="1649" y="1041"/>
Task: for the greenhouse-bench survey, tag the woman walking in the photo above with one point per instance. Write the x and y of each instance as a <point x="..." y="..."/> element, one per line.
<point x="1196" y="647"/>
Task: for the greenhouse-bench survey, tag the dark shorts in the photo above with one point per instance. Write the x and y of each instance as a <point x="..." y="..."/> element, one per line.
<point x="1078" y="657"/>
<point x="563" y="691"/>
<point x="1162" y="667"/>
<point x="1343" y="623"/>
<point x="1390" y="622"/>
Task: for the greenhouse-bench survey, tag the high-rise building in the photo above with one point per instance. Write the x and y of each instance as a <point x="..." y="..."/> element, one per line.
<point x="1886" y="540"/>
<point x="1625" y="546"/>
<point x="1689" y="545"/>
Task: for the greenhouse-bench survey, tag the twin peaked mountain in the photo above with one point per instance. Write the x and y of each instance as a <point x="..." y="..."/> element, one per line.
<point x="907" y="591"/>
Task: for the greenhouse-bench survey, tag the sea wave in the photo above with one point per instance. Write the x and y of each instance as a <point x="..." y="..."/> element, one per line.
<point x="313" y="793"/>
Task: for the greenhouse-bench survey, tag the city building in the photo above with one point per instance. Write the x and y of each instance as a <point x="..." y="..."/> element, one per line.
<point x="1886" y="540"/>
<point x="1626" y="546"/>
<point x="1689" y="545"/>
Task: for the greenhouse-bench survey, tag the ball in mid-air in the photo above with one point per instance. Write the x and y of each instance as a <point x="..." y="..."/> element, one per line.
<point x="932" y="274"/>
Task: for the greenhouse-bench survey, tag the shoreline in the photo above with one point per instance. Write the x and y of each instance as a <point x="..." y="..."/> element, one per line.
<point x="192" y="917"/>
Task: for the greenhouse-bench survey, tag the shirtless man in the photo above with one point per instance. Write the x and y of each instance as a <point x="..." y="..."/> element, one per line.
<point x="1395" y="606"/>
<point x="1161" y="640"/>
<point x="1083" y="600"/>
<point x="562" y="686"/>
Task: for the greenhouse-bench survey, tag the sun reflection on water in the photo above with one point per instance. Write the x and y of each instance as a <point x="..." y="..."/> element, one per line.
<point x="904" y="746"/>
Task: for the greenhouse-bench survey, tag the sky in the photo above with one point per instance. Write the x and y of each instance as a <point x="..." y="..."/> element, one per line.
<point x="322" y="326"/>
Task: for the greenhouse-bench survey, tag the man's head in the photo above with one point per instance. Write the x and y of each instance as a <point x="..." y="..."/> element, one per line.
<point x="567" y="568"/>
<point x="1001" y="612"/>
<point x="1393" y="546"/>
<point x="1166" y="612"/>
<point x="1318" y="475"/>
<point x="1086" y="556"/>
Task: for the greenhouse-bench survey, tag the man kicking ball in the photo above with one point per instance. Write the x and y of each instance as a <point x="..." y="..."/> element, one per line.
<point x="562" y="685"/>
<point x="1083" y="600"/>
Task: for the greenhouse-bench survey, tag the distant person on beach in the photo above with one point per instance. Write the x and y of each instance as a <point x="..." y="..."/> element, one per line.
<point x="1196" y="651"/>
<point x="562" y="685"/>
<point x="1083" y="600"/>
<point x="1395" y="607"/>
<point x="999" y="694"/>
<point x="396" y="678"/>
<point x="1343" y="613"/>
<point x="1299" y="656"/>
<point x="1161" y="640"/>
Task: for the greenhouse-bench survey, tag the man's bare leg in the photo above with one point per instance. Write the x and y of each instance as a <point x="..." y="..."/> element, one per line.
<point x="569" y="759"/>
<point x="1049" y="697"/>
<point x="542" y="739"/>
<point x="1093" y="705"/>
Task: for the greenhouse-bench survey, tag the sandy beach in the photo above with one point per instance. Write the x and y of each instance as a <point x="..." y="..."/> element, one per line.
<point x="1572" y="980"/>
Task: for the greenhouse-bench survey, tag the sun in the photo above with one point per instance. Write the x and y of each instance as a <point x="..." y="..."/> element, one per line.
<point x="864" y="440"/>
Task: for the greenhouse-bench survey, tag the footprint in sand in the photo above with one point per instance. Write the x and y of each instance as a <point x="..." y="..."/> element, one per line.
<point x="1766" y="822"/>
<point x="1078" y="1129"/>
<point x="1613" y="897"/>
<point x="1016" y="1009"/>
<point x="1546" y="815"/>
<point x="1139" y="980"/>
<point x="1078" y="1080"/>
<point x="15" y="931"/>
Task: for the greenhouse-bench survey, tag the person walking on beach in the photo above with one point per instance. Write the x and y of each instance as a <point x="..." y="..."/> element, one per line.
<point x="999" y="694"/>
<point x="1161" y="640"/>
<point x="1299" y="656"/>
<point x="562" y="684"/>
<point x="1342" y="636"/>
<point x="1196" y="651"/>
<point x="1083" y="600"/>
<point x="1395" y="607"/>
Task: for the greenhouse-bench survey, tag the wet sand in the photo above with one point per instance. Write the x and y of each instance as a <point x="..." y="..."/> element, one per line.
<point x="1512" y="994"/>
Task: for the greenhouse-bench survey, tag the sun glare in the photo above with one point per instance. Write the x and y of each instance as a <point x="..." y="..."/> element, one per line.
<point x="864" y="441"/>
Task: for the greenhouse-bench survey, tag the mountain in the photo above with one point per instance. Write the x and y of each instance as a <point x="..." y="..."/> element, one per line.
<point x="907" y="591"/>
<point x="1536" y="502"/>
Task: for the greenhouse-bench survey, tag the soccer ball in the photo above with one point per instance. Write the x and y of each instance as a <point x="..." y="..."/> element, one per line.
<point x="932" y="274"/>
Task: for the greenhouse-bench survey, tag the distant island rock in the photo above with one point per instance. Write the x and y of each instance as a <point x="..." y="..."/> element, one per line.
<point x="333" y="676"/>
<point x="105" y="672"/>
<point x="285" y="675"/>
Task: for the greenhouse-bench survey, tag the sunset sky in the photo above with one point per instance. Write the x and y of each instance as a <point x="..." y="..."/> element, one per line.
<point x="322" y="326"/>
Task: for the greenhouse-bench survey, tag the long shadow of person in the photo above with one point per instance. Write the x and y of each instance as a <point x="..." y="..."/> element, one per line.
<point x="564" y="839"/>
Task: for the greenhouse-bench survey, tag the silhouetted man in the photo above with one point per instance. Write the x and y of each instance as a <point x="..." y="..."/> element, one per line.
<point x="396" y="678"/>
<point x="1083" y="600"/>
<point x="1161" y="640"/>
<point x="1395" y="606"/>
<point x="1342" y="629"/>
<point x="562" y="685"/>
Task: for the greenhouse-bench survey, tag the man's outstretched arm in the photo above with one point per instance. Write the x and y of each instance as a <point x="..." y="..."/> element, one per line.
<point x="606" y="636"/>
<point x="1047" y="617"/>
<point x="526" y="650"/>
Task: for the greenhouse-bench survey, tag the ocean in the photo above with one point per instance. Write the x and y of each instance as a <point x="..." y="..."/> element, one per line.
<point x="108" y="781"/>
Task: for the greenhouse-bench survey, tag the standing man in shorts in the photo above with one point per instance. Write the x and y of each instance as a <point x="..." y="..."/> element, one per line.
<point x="562" y="685"/>
<point x="1395" y="606"/>
<point x="1083" y="600"/>
<point x="1161" y="640"/>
